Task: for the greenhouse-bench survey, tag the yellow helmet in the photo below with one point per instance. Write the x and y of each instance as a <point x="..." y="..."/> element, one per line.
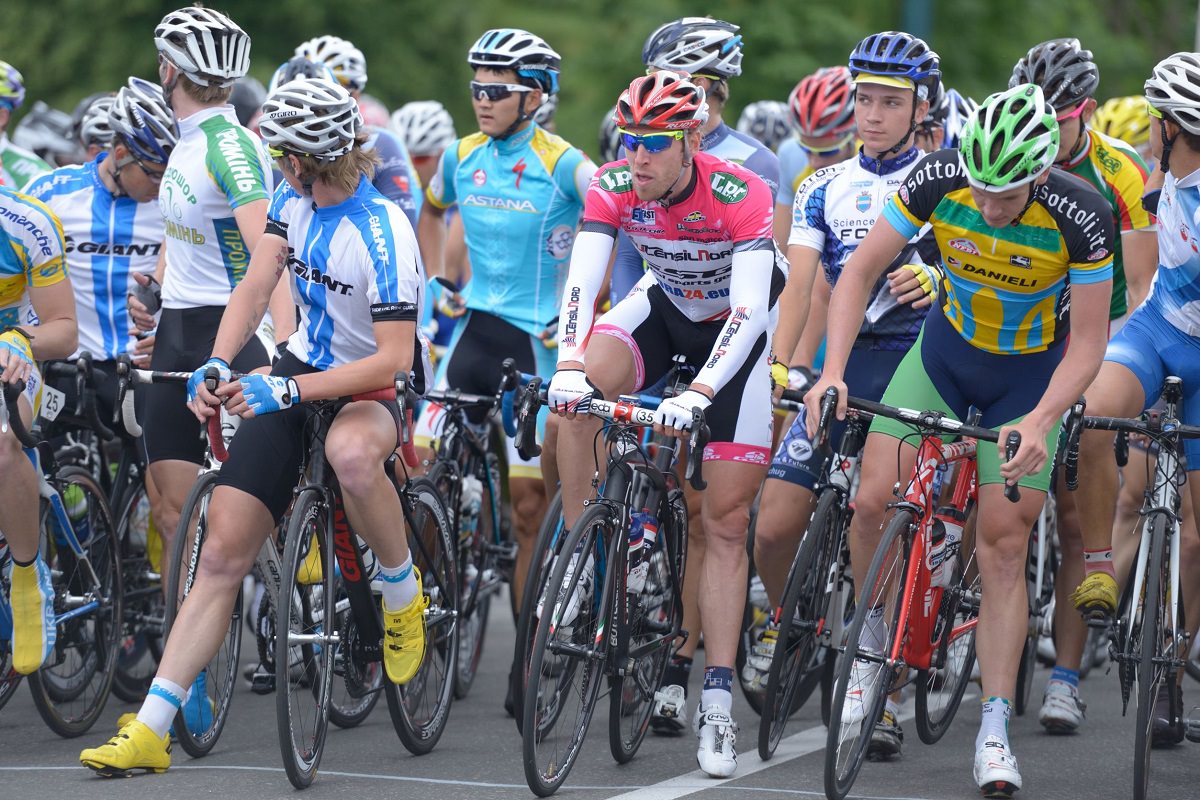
<point x="1124" y="118"/>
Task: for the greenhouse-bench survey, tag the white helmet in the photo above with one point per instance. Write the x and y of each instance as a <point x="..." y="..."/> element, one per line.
<point x="610" y="137"/>
<point x="424" y="126"/>
<point x="311" y="116"/>
<point x="697" y="46"/>
<point x="545" y="112"/>
<point x="142" y="120"/>
<point x="206" y="45"/>
<point x="1174" y="88"/>
<point x="768" y="121"/>
<point x="93" y="127"/>
<point x="519" y="50"/>
<point x="348" y="63"/>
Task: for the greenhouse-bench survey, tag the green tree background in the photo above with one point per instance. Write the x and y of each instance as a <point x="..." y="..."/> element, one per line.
<point x="416" y="50"/>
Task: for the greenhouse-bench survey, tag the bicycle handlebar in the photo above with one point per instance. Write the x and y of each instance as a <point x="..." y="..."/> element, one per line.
<point x="82" y="370"/>
<point x="10" y="415"/>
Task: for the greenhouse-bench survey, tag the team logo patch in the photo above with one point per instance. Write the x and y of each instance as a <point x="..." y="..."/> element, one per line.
<point x="644" y="216"/>
<point x="616" y="179"/>
<point x="729" y="189"/>
<point x="558" y="243"/>
<point x="401" y="182"/>
<point x="480" y="177"/>
<point x="695" y="216"/>
<point x="1096" y="255"/>
<point x="799" y="450"/>
<point x="964" y="245"/>
<point x="863" y="201"/>
<point x="903" y="192"/>
<point x="1023" y="262"/>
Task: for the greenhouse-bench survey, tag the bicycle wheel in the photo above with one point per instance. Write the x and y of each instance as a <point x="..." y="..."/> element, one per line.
<point x="1153" y="670"/>
<point x="421" y="707"/>
<point x="657" y="615"/>
<point x="71" y="688"/>
<point x="755" y="614"/>
<point x="864" y="658"/>
<point x="566" y="669"/>
<point x="548" y="541"/>
<point x="799" y="660"/>
<point x="220" y="676"/>
<point x="141" y="633"/>
<point x="941" y="687"/>
<point x="356" y="684"/>
<point x="303" y="653"/>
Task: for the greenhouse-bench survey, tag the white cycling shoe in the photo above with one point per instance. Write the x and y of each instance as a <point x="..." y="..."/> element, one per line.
<point x="716" y="754"/>
<point x="996" y="769"/>
<point x="1062" y="710"/>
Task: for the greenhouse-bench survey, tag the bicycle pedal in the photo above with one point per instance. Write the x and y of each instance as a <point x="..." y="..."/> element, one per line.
<point x="506" y="554"/>
<point x="262" y="683"/>
<point x="1191" y="730"/>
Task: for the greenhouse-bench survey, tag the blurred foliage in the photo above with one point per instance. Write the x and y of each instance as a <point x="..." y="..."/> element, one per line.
<point x="70" y="48"/>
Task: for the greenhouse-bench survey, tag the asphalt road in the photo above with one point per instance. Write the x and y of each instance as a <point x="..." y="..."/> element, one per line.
<point x="480" y="756"/>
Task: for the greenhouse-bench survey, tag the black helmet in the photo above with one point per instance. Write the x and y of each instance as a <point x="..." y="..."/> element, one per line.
<point x="1064" y="70"/>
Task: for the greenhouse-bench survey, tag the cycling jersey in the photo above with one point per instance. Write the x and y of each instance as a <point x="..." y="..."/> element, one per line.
<point x="1119" y="174"/>
<point x="353" y="264"/>
<point x="521" y="199"/>
<point x="107" y="239"/>
<point x="18" y="166"/>
<point x="1006" y="289"/>
<point x="216" y="167"/>
<point x="1175" y="293"/>
<point x="724" y="215"/>
<point x="793" y="170"/>
<point x="31" y="254"/>
<point x="834" y="211"/>
<point x="725" y="143"/>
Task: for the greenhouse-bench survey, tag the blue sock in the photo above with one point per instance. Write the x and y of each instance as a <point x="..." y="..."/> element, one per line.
<point x="1067" y="676"/>
<point x="718" y="688"/>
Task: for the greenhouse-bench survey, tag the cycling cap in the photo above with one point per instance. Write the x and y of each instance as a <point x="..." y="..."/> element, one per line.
<point x="311" y="116"/>
<point x="1124" y="118"/>
<point x="425" y="127"/>
<point x="90" y="118"/>
<point x="697" y="46"/>
<point x="545" y="112"/>
<point x="1174" y="88"/>
<point x="522" y="51"/>
<point x="140" y="117"/>
<point x="299" y="67"/>
<point x="767" y="121"/>
<point x="1063" y="69"/>
<point x="1011" y="139"/>
<point x="348" y="63"/>
<point x="12" y="87"/>
<point x="247" y="98"/>
<point x="666" y="100"/>
<point x="206" y="45"/>
<point x="822" y="104"/>
<point x="610" y="137"/>
<point x="895" y="58"/>
<point x="49" y="133"/>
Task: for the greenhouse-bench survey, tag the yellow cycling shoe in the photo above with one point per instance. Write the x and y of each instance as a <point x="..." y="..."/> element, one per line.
<point x="34" y="632"/>
<point x="404" y="637"/>
<point x="134" y="747"/>
<point x="310" y="571"/>
<point x="1096" y="596"/>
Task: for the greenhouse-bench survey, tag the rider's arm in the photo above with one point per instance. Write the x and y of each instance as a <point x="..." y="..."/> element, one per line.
<point x="431" y="227"/>
<point x="252" y="221"/>
<point x="395" y="342"/>
<point x="251" y="296"/>
<point x="393" y="178"/>
<point x="796" y="300"/>
<point x="57" y="334"/>
<point x="1139" y="257"/>
<point x="589" y="262"/>
<point x="805" y="353"/>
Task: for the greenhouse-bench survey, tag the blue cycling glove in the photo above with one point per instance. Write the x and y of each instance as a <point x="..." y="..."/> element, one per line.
<point x="268" y="393"/>
<point x="198" y="376"/>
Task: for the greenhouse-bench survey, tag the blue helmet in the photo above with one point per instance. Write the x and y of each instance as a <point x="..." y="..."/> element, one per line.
<point x="898" y="55"/>
<point x="299" y="67"/>
<point x="518" y="50"/>
<point x="141" y="120"/>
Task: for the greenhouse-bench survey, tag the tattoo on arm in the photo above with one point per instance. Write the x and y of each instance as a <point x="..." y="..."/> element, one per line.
<point x="281" y="262"/>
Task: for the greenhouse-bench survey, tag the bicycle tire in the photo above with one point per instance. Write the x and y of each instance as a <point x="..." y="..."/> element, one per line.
<point x="72" y="687"/>
<point x="357" y="686"/>
<point x="420" y="708"/>
<point x="956" y="656"/>
<point x="798" y="663"/>
<point x="847" y="743"/>
<point x="304" y="672"/>
<point x="141" y="648"/>
<point x="1151" y="677"/>
<point x="544" y="549"/>
<point x="472" y="628"/>
<point x="221" y="672"/>
<point x="660" y="611"/>
<point x="546" y="765"/>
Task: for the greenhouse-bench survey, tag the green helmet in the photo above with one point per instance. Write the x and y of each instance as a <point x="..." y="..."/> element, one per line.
<point x="1010" y="140"/>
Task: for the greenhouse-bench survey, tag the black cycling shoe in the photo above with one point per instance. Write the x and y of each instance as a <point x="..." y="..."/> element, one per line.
<point x="1167" y="728"/>
<point x="886" y="739"/>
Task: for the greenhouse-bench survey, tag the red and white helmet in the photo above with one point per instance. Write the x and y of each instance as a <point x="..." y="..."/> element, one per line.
<point x="822" y="104"/>
<point x="665" y="100"/>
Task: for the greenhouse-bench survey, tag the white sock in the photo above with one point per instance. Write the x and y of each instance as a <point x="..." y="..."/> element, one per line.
<point x="892" y="706"/>
<point x="994" y="721"/>
<point x="399" y="585"/>
<point x="161" y="704"/>
<point x="875" y="634"/>
<point x="720" y="698"/>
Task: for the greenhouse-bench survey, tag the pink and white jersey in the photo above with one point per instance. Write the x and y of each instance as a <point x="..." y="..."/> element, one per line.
<point x="689" y="245"/>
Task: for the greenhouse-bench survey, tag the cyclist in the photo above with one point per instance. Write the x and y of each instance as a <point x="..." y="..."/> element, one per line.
<point x="1162" y="337"/>
<point x="519" y="191"/>
<point x="1127" y="119"/>
<point x="395" y="177"/>
<point x="112" y="227"/>
<point x="995" y="342"/>
<point x="931" y="131"/>
<point x="704" y="227"/>
<point x="92" y="131"/>
<point x="609" y="141"/>
<point x="18" y="166"/>
<point x="822" y="109"/>
<point x="767" y="121"/>
<point x="894" y="76"/>
<point x="1069" y="77"/>
<point x="426" y="128"/>
<point x="327" y="223"/>
<point x="37" y="312"/>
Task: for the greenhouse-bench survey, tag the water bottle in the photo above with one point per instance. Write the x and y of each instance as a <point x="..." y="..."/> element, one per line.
<point x="945" y="536"/>
<point x="643" y="532"/>
<point x="469" y="504"/>
<point x="841" y="470"/>
<point x="75" y="502"/>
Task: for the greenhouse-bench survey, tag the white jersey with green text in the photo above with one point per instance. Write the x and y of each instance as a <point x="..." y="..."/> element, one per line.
<point x="217" y="166"/>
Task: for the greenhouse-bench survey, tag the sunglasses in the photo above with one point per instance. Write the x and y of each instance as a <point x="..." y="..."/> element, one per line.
<point x="155" y="175"/>
<point x="1072" y="115"/>
<point x="653" y="142"/>
<point x="495" y="92"/>
<point x="827" y="150"/>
